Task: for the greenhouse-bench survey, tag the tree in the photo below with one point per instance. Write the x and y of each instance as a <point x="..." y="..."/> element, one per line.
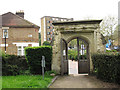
<point x="116" y="36"/>
<point x="72" y="43"/>
<point x="108" y="27"/>
<point x="46" y="43"/>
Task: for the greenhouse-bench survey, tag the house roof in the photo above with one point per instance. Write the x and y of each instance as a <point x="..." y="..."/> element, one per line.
<point x="12" y="20"/>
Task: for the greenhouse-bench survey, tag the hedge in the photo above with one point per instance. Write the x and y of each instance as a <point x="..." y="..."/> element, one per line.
<point x="13" y="65"/>
<point x="107" y="67"/>
<point x="34" y="57"/>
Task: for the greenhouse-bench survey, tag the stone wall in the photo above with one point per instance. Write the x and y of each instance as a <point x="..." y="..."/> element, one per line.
<point x="56" y="62"/>
<point x="88" y="32"/>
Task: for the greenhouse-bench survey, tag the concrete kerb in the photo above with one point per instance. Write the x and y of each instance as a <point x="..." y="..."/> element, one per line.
<point x="53" y="80"/>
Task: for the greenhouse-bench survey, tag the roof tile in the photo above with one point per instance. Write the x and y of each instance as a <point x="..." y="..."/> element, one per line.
<point x="12" y="20"/>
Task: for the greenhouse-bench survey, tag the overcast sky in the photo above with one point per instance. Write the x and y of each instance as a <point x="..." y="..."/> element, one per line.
<point x="77" y="9"/>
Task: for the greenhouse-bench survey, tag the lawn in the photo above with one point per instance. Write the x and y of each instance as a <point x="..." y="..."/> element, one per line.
<point x="26" y="81"/>
<point x="0" y="82"/>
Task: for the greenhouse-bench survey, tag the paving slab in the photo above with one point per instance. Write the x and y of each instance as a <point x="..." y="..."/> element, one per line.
<point x="81" y="81"/>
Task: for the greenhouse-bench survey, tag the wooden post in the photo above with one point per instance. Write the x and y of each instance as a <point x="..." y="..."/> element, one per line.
<point x="62" y="69"/>
<point x="66" y="51"/>
<point x="78" y="47"/>
<point x="78" y="54"/>
<point x="43" y="65"/>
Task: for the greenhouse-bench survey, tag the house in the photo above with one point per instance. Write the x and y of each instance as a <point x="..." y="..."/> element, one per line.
<point x="20" y="33"/>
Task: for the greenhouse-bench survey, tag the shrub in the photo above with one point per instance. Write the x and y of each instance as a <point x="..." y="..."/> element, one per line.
<point x="107" y="67"/>
<point x="34" y="57"/>
<point x="74" y="54"/>
<point x="46" y="43"/>
<point x="111" y="50"/>
<point x="13" y="65"/>
<point x="50" y="72"/>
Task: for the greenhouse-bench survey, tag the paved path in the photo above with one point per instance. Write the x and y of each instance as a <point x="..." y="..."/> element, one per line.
<point x="81" y="81"/>
<point x="75" y="80"/>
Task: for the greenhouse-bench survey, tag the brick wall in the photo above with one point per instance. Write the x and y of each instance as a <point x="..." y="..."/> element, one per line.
<point x="19" y="35"/>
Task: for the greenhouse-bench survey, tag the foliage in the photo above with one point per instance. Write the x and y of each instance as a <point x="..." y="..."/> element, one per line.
<point x="72" y="43"/>
<point x="107" y="27"/>
<point x="107" y="67"/>
<point x="26" y="81"/>
<point x="34" y="57"/>
<point x="46" y="43"/>
<point x="111" y="50"/>
<point x="13" y="65"/>
<point x="73" y="54"/>
<point x="115" y="52"/>
<point x="50" y="72"/>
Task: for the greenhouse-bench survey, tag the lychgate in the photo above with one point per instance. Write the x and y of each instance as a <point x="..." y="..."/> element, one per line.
<point x="89" y="40"/>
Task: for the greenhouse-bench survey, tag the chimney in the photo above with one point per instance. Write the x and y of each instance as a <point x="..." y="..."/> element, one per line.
<point x="20" y="13"/>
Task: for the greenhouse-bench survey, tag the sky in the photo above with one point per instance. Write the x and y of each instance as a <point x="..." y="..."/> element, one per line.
<point x="77" y="9"/>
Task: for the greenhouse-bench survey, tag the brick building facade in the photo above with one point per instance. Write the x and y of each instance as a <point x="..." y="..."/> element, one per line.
<point x="47" y="29"/>
<point x="20" y="33"/>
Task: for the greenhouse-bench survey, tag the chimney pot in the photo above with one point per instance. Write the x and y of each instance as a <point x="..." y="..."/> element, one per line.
<point x="20" y="13"/>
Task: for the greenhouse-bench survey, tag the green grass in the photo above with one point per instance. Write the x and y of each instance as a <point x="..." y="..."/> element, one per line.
<point x="26" y="81"/>
<point x="0" y="82"/>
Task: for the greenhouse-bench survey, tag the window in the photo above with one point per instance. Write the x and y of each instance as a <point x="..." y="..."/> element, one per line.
<point x="48" y="39"/>
<point x="51" y="22"/>
<point x="4" y="33"/>
<point x="51" y="27"/>
<point x="61" y="19"/>
<point x="53" y="18"/>
<point x="29" y="35"/>
<point x="21" y="50"/>
<point x="48" y="33"/>
<point x="57" y="19"/>
<point x="24" y="50"/>
<point x="69" y="20"/>
<point x="51" y="36"/>
<point x="48" y="21"/>
<point x="48" y="27"/>
<point x="51" y="30"/>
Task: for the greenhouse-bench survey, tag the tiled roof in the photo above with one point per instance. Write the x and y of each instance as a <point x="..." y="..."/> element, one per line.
<point x="12" y="20"/>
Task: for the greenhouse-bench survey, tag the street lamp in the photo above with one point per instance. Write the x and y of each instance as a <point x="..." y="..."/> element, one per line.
<point x="5" y="35"/>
